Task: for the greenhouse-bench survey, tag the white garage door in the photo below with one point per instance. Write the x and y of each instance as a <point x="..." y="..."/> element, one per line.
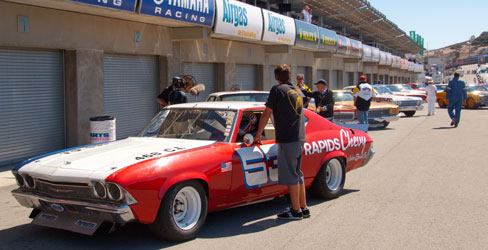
<point x="205" y="73"/>
<point x="246" y="76"/>
<point x="271" y="81"/>
<point x="32" y="104"/>
<point x="131" y="86"/>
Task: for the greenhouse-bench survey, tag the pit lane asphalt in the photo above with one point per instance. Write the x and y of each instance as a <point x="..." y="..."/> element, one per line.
<point x="426" y="188"/>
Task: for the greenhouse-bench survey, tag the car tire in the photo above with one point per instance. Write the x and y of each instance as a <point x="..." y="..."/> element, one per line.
<point x="329" y="182"/>
<point x="442" y="104"/>
<point x="385" y="124"/>
<point x="190" y="199"/>
<point x="471" y="103"/>
<point x="409" y="113"/>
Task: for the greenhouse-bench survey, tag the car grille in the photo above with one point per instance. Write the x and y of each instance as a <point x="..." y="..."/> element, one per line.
<point x="408" y="103"/>
<point x="64" y="190"/>
<point x="378" y="113"/>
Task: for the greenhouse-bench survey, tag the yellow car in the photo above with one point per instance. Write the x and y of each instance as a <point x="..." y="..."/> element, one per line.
<point x="477" y="97"/>
<point x="380" y="113"/>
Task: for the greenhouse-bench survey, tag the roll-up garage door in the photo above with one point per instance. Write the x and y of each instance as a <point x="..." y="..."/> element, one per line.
<point x="246" y="76"/>
<point x="271" y="81"/>
<point x="335" y="79"/>
<point x="32" y="101"/>
<point x="205" y="73"/>
<point x="131" y="86"/>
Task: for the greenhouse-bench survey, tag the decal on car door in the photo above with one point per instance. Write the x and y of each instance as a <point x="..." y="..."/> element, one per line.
<point x="259" y="164"/>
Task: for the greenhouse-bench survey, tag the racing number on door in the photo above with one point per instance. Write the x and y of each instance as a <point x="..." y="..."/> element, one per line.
<point x="259" y="165"/>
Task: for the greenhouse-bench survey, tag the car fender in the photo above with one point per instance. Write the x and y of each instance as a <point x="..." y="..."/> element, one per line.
<point x="194" y="175"/>
<point x="334" y="154"/>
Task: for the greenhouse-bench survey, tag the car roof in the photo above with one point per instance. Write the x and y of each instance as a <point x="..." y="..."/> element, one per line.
<point x="239" y="92"/>
<point x="219" y="105"/>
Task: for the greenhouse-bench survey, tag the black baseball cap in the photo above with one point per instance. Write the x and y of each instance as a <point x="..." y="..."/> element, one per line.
<point x="321" y="81"/>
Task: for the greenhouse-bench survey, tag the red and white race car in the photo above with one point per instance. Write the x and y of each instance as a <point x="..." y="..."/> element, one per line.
<point x="190" y="160"/>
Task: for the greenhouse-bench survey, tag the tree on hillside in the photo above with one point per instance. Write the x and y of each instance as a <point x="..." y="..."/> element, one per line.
<point x="482" y="39"/>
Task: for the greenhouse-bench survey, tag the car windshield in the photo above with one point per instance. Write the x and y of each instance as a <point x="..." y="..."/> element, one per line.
<point x="248" y="97"/>
<point x="382" y="90"/>
<point x="193" y="124"/>
<point x="475" y="88"/>
<point x="396" y="87"/>
<point x="441" y="87"/>
<point x="343" y="96"/>
<point x="420" y="85"/>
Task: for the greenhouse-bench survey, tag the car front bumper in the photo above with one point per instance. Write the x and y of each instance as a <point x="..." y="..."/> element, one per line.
<point x="411" y="108"/>
<point x="120" y="214"/>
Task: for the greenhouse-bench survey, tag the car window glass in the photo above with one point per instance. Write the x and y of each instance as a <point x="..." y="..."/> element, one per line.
<point x="249" y="97"/>
<point x="343" y="96"/>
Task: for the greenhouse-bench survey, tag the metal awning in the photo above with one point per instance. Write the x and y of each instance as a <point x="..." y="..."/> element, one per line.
<point x="361" y="19"/>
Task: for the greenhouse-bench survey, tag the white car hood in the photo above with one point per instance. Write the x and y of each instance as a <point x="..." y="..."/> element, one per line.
<point x="98" y="161"/>
<point x="399" y="98"/>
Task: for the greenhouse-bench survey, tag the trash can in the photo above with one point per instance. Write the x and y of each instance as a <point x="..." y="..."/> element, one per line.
<point x="102" y="129"/>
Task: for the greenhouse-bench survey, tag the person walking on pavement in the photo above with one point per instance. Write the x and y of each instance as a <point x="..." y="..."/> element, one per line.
<point x="304" y="88"/>
<point x="431" y="90"/>
<point x="455" y="95"/>
<point x="363" y="94"/>
<point x="285" y="102"/>
<point x="324" y="100"/>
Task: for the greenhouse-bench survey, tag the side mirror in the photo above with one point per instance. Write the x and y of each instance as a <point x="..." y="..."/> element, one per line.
<point x="248" y="140"/>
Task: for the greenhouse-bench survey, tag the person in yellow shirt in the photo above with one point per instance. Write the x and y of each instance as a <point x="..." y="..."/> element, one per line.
<point x="304" y="88"/>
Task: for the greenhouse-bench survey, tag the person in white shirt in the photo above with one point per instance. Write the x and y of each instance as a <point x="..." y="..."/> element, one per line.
<point x="431" y="90"/>
<point x="306" y="14"/>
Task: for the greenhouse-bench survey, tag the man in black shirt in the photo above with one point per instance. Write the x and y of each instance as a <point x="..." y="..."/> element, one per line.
<point x="285" y="102"/>
<point x="324" y="100"/>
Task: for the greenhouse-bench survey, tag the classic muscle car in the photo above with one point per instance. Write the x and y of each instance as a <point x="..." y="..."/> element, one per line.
<point x="406" y="90"/>
<point x="408" y="105"/>
<point x="477" y="97"/>
<point x="191" y="159"/>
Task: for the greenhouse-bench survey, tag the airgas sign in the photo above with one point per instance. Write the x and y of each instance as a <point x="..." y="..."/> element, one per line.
<point x="278" y="28"/>
<point x="238" y="19"/>
<point x="191" y="11"/>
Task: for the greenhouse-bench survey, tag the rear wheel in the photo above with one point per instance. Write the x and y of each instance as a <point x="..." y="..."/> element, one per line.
<point x="409" y="113"/>
<point x="471" y="103"/>
<point x="182" y="212"/>
<point x="329" y="182"/>
<point x="385" y="124"/>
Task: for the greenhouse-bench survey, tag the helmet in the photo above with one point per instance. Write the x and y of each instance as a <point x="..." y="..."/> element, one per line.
<point x="178" y="82"/>
<point x="248" y="123"/>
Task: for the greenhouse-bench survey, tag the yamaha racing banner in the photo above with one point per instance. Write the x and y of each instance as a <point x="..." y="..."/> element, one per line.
<point x="191" y="11"/>
<point x="127" y="5"/>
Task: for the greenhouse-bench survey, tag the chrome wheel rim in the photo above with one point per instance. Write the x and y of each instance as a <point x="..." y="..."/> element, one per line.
<point x="187" y="207"/>
<point x="333" y="173"/>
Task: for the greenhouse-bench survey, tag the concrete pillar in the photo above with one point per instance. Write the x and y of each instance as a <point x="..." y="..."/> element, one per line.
<point x="261" y="76"/>
<point x="84" y="93"/>
<point x="226" y="76"/>
<point x="340" y="79"/>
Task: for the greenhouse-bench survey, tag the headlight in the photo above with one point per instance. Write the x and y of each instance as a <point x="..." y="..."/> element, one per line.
<point x="394" y="111"/>
<point x="19" y="179"/>
<point x="99" y="190"/>
<point x="29" y="181"/>
<point x="114" y="192"/>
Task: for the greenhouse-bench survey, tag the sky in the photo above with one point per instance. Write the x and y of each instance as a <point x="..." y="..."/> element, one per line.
<point x="439" y="22"/>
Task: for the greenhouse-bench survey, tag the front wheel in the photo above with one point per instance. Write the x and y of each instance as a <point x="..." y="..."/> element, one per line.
<point x="182" y="212"/>
<point x="409" y="113"/>
<point x="329" y="182"/>
<point x="471" y="103"/>
<point x="442" y="104"/>
<point x="385" y="124"/>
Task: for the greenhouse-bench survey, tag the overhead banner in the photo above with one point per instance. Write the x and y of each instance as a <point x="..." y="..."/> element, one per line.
<point x="190" y="11"/>
<point x="367" y="53"/>
<point x="382" y="58"/>
<point x="411" y="66"/>
<point x="307" y="35"/>
<point x="238" y="19"/>
<point x="328" y="40"/>
<point x="278" y="28"/>
<point x="389" y="58"/>
<point x="397" y="62"/>
<point x="376" y="54"/>
<point x="356" y="48"/>
<point x="127" y="5"/>
<point x="343" y="45"/>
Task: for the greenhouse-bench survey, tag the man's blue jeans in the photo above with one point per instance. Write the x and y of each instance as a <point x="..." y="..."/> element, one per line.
<point x="362" y="116"/>
<point x="455" y="106"/>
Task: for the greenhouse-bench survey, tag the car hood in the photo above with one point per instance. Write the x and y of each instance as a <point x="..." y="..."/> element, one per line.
<point x="98" y="161"/>
<point x="374" y="105"/>
<point x="400" y="98"/>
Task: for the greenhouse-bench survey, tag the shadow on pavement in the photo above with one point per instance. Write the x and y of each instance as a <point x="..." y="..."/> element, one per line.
<point x="443" y="128"/>
<point x="226" y="223"/>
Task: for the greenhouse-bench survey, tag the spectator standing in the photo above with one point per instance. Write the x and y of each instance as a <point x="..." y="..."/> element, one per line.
<point x="306" y="14"/>
<point x="304" y="88"/>
<point x="431" y="90"/>
<point x="455" y="95"/>
<point x="363" y="94"/>
<point x="324" y="100"/>
<point x="286" y="104"/>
